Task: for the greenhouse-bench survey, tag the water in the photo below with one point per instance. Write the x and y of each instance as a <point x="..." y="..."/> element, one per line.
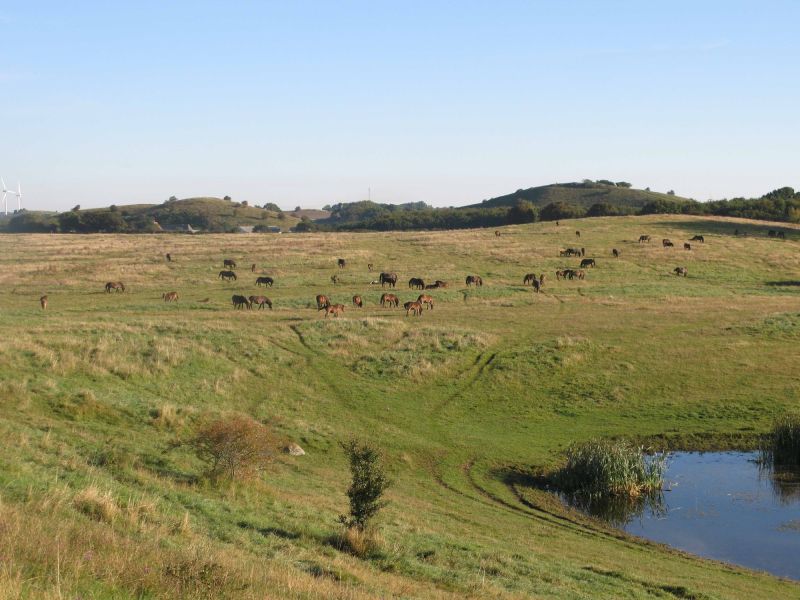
<point x="720" y="505"/>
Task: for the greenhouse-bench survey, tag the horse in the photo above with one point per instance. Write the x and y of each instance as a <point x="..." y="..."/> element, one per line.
<point x="644" y="238"/>
<point x="43" y="302"/>
<point x="416" y="283"/>
<point x="334" y="309"/>
<point x="117" y="286"/>
<point x="588" y="262"/>
<point x="389" y="299"/>
<point x="170" y="296"/>
<point x="240" y="302"/>
<point x="577" y="234"/>
<point x="334" y="279"/>
<point x="358" y="302"/>
<point x="583" y="251"/>
<point x="698" y="238"/>
<point x="253" y="268"/>
<point x="781" y="235"/>
<point x="369" y="266"/>
<point x="497" y="233"/>
<point x="615" y="252"/>
<point x="425" y="299"/>
<point x="440" y="284"/>
<point x="168" y="257"/>
<point x="687" y="246"/>
<point x="341" y="262"/>
<point x="529" y="278"/>
<point x="260" y="301"/>
<point x="474" y="279"/>
<point x="680" y="271"/>
<point x="322" y="302"/>
<point x="264" y="281"/>
<point x="561" y="274"/>
<point x="772" y="233"/>
<point x="229" y="262"/>
<point x="413" y="307"/>
<point x="390" y="278"/>
<point x="580" y="274"/>
<point x="431" y="286"/>
<point x="227" y="275"/>
<point x="666" y="243"/>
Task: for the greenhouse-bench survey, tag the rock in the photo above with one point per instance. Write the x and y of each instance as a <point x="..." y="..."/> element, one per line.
<point x="294" y="450"/>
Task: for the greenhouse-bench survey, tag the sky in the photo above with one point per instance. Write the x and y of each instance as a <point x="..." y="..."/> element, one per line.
<point x="313" y="103"/>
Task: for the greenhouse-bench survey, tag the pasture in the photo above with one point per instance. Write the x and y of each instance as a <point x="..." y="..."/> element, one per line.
<point x="470" y="401"/>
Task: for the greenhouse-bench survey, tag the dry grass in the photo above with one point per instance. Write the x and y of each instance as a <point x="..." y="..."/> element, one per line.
<point x="97" y="504"/>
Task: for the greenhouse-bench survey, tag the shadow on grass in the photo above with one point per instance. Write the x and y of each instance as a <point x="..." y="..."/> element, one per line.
<point x="783" y="283"/>
<point x="267" y="531"/>
<point x="723" y="228"/>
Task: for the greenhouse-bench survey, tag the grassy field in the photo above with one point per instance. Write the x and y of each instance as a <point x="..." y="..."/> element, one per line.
<point x="470" y="402"/>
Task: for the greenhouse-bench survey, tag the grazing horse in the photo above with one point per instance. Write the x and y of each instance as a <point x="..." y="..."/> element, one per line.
<point x="561" y="274"/>
<point x="260" y="301"/>
<point x="431" y="286"/>
<point x="341" y="262"/>
<point x="168" y="257"/>
<point x="334" y="309"/>
<point x="264" y="281"/>
<point x="497" y="233"/>
<point x="426" y="300"/>
<point x="615" y="252"/>
<point x="43" y="302"/>
<point x="781" y="235"/>
<point x="667" y="243"/>
<point x="240" y="302"/>
<point x="687" y="246"/>
<point x="772" y="233"/>
<point x="413" y="307"/>
<point x="322" y="302"/>
<point x="227" y="275"/>
<point x="588" y="262"/>
<point x="644" y="238"/>
<point x="229" y="262"/>
<point x="580" y="274"/>
<point x="389" y="299"/>
<point x="440" y="284"/>
<point x="529" y="278"/>
<point x="390" y="278"/>
<point x="117" y="286"/>
<point x="578" y="234"/>
<point x="358" y="302"/>
<point x="474" y="279"/>
<point x="334" y="279"/>
<point x="680" y="271"/>
<point x="416" y="283"/>
<point x="369" y="266"/>
<point x="253" y="268"/>
<point x="170" y="296"/>
<point x="698" y="238"/>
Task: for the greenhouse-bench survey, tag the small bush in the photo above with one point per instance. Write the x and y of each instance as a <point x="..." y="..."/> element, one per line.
<point x="367" y="486"/>
<point x="610" y="468"/>
<point x="98" y="505"/>
<point x="783" y="442"/>
<point x="234" y="447"/>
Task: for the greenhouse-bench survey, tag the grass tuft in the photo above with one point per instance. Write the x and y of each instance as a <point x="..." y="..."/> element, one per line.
<point x="96" y="504"/>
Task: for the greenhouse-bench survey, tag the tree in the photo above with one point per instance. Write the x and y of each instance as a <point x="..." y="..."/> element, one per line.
<point x="305" y="225"/>
<point x="227" y="198"/>
<point x="623" y="184"/>
<point x="297" y="209"/>
<point x="32" y="222"/>
<point x="173" y="199"/>
<point x="245" y="203"/>
<point x="560" y="210"/>
<point x="76" y="208"/>
<point x="671" y="193"/>
<point x="233" y="447"/>
<point x="367" y="485"/>
<point x="272" y="206"/>
<point x="602" y="209"/>
<point x="522" y="212"/>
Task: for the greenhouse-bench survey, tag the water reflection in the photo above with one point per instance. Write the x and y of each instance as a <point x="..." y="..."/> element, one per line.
<point x="722" y="505"/>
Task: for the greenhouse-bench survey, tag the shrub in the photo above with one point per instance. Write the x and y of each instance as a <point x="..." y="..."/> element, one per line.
<point x="367" y="486"/>
<point x="610" y="468"/>
<point x="98" y="505"/>
<point x="234" y="447"/>
<point x="783" y="441"/>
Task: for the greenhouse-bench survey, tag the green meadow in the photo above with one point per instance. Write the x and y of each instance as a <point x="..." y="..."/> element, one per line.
<point x="471" y="403"/>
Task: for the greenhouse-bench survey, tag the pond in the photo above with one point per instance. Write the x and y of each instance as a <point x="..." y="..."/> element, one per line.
<point x="719" y="505"/>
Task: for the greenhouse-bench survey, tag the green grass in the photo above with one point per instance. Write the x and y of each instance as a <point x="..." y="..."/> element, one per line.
<point x="470" y="402"/>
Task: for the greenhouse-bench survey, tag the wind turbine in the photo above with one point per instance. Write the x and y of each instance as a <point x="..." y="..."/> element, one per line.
<point x="19" y="196"/>
<point x="5" y="195"/>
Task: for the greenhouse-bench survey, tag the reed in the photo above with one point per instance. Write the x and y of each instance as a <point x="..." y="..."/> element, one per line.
<point x="782" y="445"/>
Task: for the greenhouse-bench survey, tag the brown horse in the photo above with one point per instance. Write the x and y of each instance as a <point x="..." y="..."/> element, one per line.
<point x="169" y="296"/>
<point x="342" y="263"/>
<point x="561" y="274"/>
<point x="389" y="299"/>
<point x="229" y="262"/>
<point x="497" y="233"/>
<point x="426" y="300"/>
<point x="474" y="280"/>
<point x="369" y="266"/>
<point x="698" y="238"/>
<point x="530" y="277"/>
<point x="43" y="302"/>
<point x="261" y="301"/>
<point x="431" y="286"/>
<point x="227" y="275"/>
<point x="334" y="279"/>
<point x="390" y="278"/>
<point x="264" y="281"/>
<point x="322" y="302"/>
<point x="580" y="274"/>
<point x="334" y="309"/>
<point x="414" y="308"/>
<point x="615" y="252"/>
<point x="253" y="268"/>
<point x="687" y="246"/>
<point x="240" y="302"/>
<point x="644" y="238"/>
<point x="440" y="284"/>
<point x="117" y="286"/>
<point x="667" y="243"/>
<point x="168" y="257"/>
<point x="537" y="285"/>
<point x="588" y="262"/>
<point x="577" y="234"/>
<point x="680" y="271"/>
<point x="358" y="302"/>
<point x="416" y="283"/>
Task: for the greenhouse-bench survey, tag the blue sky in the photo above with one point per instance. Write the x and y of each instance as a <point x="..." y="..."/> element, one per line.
<point x="311" y="103"/>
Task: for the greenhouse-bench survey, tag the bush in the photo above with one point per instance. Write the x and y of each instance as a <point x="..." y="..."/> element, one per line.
<point x="368" y="484"/>
<point x="234" y="447"/>
<point x="783" y="442"/>
<point x="96" y="504"/>
<point x="610" y="468"/>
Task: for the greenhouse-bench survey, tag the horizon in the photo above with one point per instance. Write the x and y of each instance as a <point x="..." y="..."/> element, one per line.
<point x="312" y="104"/>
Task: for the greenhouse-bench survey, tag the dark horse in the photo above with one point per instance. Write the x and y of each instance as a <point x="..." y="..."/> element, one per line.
<point x="264" y="281"/>
<point x="341" y="262"/>
<point x="474" y="280"/>
<point x="240" y="302"/>
<point x="416" y="283"/>
<point x="229" y="262"/>
<point x="588" y="262"/>
<point x="390" y="278"/>
<point x="117" y="286"/>
<point x="227" y="275"/>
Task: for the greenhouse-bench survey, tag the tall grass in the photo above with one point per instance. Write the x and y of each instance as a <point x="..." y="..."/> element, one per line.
<point x="782" y="445"/>
<point x="600" y="468"/>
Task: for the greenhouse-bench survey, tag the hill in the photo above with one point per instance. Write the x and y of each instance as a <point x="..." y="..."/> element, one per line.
<point x="583" y="195"/>
<point x="104" y="494"/>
